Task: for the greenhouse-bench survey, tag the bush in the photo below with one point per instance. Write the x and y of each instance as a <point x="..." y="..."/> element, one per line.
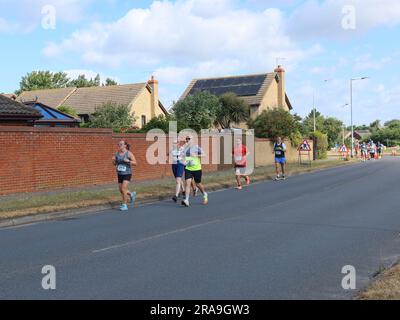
<point x="198" y="111"/>
<point x="322" y="144"/>
<point x="274" y="123"/>
<point x="111" y="115"/>
<point x="68" y="110"/>
<point x="162" y="123"/>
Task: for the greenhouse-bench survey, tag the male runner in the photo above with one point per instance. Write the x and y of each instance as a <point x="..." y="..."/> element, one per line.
<point x="193" y="171"/>
<point x="280" y="158"/>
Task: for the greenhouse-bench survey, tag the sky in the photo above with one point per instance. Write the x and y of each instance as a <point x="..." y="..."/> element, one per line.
<point x="178" y="40"/>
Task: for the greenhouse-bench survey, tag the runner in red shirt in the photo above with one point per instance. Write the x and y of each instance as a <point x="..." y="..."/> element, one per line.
<point x="240" y="154"/>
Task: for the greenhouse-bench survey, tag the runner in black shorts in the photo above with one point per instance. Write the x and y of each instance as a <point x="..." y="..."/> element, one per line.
<point x="123" y="161"/>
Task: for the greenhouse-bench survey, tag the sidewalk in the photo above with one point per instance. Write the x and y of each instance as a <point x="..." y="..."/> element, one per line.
<point x="70" y="201"/>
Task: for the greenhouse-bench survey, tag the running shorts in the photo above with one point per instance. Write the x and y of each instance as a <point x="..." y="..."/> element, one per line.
<point x="196" y="175"/>
<point x="124" y="177"/>
<point x="280" y="160"/>
<point x="178" y="170"/>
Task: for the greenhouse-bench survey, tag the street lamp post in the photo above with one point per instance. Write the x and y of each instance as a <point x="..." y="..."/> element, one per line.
<point x="351" y="112"/>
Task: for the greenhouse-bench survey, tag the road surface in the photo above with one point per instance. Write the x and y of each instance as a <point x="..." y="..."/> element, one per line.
<point x="273" y="240"/>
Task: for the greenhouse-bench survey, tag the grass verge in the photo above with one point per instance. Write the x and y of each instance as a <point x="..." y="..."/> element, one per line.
<point x="63" y="200"/>
<point x="385" y="287"/>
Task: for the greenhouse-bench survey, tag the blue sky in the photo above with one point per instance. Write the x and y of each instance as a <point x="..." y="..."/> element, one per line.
<point x="129" y="40"/>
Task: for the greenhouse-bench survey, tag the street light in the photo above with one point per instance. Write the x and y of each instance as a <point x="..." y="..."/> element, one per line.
<point x="351" y="111"/>
<point x="344" y="125"/>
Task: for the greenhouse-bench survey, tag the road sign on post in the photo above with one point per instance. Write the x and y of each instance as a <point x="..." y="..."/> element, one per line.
<point x="304" y="149"/>
<point x="344" y="152"/>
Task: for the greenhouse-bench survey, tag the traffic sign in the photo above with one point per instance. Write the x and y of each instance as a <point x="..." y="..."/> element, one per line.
<point x="305" y="146"/>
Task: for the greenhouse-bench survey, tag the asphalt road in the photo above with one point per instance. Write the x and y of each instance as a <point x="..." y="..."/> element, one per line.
<point x="273" y="240"/>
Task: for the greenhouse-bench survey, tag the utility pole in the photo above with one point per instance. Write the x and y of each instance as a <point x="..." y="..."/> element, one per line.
<point x="351" y="112"/>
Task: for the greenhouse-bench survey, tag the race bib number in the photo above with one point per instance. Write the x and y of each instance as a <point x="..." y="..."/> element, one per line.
<point x="278" y="153"/>
<point x="121" y="168"/>
<point x="238" y="158"/>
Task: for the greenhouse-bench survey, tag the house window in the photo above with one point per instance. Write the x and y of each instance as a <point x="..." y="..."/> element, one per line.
<point x="143" y="121"/>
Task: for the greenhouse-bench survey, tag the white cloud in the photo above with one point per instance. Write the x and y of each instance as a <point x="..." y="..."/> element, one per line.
<point x="366" y="62"/>
<point x="26" y="15"/>
<point x="321" y="19"/>
<point x="184" y="34"/>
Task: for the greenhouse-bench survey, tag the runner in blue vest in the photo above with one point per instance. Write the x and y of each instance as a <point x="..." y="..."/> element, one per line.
<point x="280" y="158"/>
<point x="123" y="161"/>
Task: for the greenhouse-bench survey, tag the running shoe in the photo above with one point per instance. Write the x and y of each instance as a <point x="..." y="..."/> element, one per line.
<point x="175" y="199"/>
<point x="195" y="191"/>
<point x="185" y="203"/>
<point x="123" y="207"/>
<point x="239" y="188"/>
<point x="205" y="199"/>
<point x="133" y="197"/>
<point x="247" y="180"/>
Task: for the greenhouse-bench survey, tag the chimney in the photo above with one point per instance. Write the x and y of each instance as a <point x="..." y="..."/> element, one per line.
<point x="281" y="86"/>
<point x="153" y="83"/>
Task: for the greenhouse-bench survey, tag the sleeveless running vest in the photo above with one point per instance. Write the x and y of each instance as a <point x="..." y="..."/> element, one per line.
<point x="279" y="151"/>
<point x="123" y="168"/>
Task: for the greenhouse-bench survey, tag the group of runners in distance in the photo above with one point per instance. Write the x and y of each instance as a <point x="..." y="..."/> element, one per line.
<point x="369" y="151"/>
<point x="187" y="168"/>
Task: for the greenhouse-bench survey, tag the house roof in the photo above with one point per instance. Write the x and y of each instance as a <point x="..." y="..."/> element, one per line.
<point x="51" y="115"/>
<point x="10" y="108"/>
<point x="85" y="100"/>
<point x="50" y="97"/>
<point x="251" y="88"/>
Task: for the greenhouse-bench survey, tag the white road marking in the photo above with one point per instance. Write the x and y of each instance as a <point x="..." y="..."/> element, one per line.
<point x="157" y="236"/>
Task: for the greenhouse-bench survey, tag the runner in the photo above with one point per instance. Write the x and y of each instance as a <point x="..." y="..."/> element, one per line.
<point x="123" y="161"/>
<point x="240" y="161"/>
<point x="187" y="145"/>
<point x="280" y="159"/>
<point x="379" y="149"/>
<point x="364" y="151"/>
<point x="193" y="171"/>
<point x="372" y="150"/>
<point x="178" y="168"/>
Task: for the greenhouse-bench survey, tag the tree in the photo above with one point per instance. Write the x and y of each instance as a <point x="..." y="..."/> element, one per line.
<point x="375" y="126"/>
<point x="68" y="110"/>
<point x="82" y="82"/>
<point x="392" y="124"/>
<point x="322" y="144"/>
<point x="111" y="115"/>
<point x="232" y="110"/>
<point x="198" y="111"/>
<point x="308" y="123"/>
<point x="333" y="129"/>
<point x="43" y="80"/>
<point x="110" y="82"/>
<point x="388" y="136"/>
<point x="330" y="126"/>
<point x="274" y="123"/>
<point x="162" y="123"/>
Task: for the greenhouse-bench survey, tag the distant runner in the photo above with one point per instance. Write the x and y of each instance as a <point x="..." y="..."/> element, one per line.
<point x="123" y="161"/>
<point x="240" y="154"/>
<point x="380" y="148"/>
<point x="280" y="158"/>
<point x="372" y="150"/>
<point x="178" y="168"/>
<point x="364" y="151"/>
<point x="193" y="171"/>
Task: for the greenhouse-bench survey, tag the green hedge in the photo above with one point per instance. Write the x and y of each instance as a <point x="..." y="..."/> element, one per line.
<point x="322" y="144"/>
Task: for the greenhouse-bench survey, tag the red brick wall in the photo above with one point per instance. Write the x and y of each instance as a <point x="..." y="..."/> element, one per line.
<point x="34" y="159"/>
